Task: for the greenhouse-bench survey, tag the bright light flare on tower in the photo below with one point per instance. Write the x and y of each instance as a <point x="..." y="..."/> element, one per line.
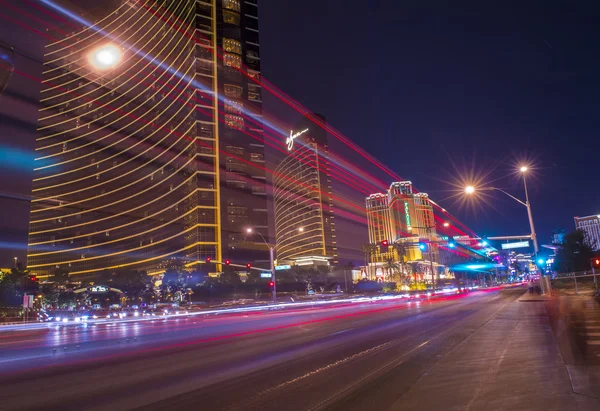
<point x="105" y="57"/>
<point x="469" y="189"/>
<point x="523" y="169"/>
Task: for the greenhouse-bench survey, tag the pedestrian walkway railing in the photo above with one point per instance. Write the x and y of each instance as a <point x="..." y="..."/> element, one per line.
<point x="578" y="277"/>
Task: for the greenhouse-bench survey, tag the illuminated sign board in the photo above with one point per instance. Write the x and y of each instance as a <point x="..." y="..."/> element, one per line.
<point x="406" y="212"/>
<point x="98" y="289"/>
<point x="290" y="140"/>
<point x="265" y="274"/>
<point x="520" y="244"/>
<point x="283" y="267"/>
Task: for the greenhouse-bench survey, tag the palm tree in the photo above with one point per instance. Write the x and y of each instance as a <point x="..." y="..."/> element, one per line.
<point x="368" y="249"/>
<point x="392" y="267"/>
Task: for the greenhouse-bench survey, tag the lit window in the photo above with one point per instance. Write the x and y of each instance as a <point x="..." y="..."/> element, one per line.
<point x="232" y="46"/>
<point x="254" y="97"/>
<point x="236" y="184"/>
<point x="232" y="60"/>
<point x="233" y="91"/>
<point x="233" y="106"/>
<point x="236" y="122"/>
<point x="235" y="150"/>
<point x="230" y="17"/>
<point x="257" y="157"/>
<point x="254" y="74"/>
<point x="233" y="164"/>
<point x="231" y="5"/>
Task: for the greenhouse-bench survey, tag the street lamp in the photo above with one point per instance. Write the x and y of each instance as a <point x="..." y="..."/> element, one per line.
<point x="105" y="57"/>
<point x="250" y="230"/>
<point x="446" y="224"/>
<point x="15" y="258"/>
<point x="523" y="170"/>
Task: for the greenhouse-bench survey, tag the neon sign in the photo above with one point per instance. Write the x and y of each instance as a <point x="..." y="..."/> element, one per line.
<point x="407" y="214"/>
<point x="290" y="140"/>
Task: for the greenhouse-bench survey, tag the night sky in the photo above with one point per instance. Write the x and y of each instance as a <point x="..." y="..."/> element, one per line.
<point x="441" y="94"/>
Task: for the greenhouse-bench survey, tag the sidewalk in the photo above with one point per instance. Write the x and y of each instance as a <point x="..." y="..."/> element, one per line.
<point x="526" y="297"/>
<point x="513" y="362"/>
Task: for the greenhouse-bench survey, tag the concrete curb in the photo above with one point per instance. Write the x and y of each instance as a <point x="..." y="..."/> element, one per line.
<point x="533" y="298"/>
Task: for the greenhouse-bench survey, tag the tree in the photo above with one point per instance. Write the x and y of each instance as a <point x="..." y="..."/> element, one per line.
<point x="230" y="277"/>
<point x="392" y="268"/>
<point x="574" y="253"/>
<point x="133" y="283"/>
<point x="60" y="275"/>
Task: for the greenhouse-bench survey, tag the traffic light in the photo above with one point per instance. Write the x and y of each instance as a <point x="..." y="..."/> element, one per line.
<point x="208" y="260"/>
<point x="249" y="265"/>
<point x="29" y="283"/>
<point x="271" y="284"/>
<point x="227" y="262"/>
<point x="422" y="246"/>
<point x="596" y="262"/>
<point x="384" y="246"/>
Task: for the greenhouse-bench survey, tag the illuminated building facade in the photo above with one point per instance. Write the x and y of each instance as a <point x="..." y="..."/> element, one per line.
<point x="304" y="214"/>
<point x="142" y="148"/>
<point x="590" y="225"/>
<point x="400" y="216"/>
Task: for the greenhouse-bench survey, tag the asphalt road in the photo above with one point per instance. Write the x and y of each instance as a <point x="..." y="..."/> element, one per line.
<point x="345" y="357"/>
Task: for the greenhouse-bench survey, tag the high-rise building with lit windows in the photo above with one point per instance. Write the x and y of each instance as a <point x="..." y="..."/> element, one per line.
<point x="304" y="211"/>
<point x="590" y="225"/>
<point x="149" y="146"/>
<point x="400" y="215"/>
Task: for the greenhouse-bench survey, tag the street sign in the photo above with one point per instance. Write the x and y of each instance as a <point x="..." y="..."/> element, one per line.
<point x="283" y="267"/>
<point x="265" y="274"/>
<point x="519" y="244"/>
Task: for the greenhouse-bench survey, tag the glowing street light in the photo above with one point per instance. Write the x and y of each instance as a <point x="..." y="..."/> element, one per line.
<point x="105" y="57"/>
<point x="523" y="169"/>
<point x="301" y="229"/>
<point x="469" y="189"/>
<point x="446" y="224"/>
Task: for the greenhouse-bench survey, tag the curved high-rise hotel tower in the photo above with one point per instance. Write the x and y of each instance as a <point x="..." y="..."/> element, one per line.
<point x="145" y="152"/>
<point x="304" y="215"/>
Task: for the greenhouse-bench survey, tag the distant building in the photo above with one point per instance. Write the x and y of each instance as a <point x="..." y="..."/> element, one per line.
<point x="304" y="214"/>
<point x="400" y="216"/>
<point x="558" y="235"/>
<point x="590" y="225"/>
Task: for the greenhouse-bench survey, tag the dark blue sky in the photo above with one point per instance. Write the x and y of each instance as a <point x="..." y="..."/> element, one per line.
<point x="434" y="89"/>
<point x="442" y="90"/>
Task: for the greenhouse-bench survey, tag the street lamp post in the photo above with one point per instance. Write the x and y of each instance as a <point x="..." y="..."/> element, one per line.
<point x="471" y="190"/>
<point x="271" y="262"/>
<point x="528" y="205"/>
<point x="249" y="230"/>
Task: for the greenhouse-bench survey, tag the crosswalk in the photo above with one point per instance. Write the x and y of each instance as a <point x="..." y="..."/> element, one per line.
<point x="584" y="319"/>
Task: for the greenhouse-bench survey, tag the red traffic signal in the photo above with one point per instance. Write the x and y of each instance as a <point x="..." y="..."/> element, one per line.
<point x="249" y="265"/>
<point x="32" y="278"/>
<point x="227" y="262"/>
<point x="208" y="260"/>
<point x="596" y="262"/>
<point x="385" y="243"/>
<point x="271" y="284"/>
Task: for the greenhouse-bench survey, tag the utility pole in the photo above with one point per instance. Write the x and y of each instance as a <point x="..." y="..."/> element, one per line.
<point x="271" y="256"/>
